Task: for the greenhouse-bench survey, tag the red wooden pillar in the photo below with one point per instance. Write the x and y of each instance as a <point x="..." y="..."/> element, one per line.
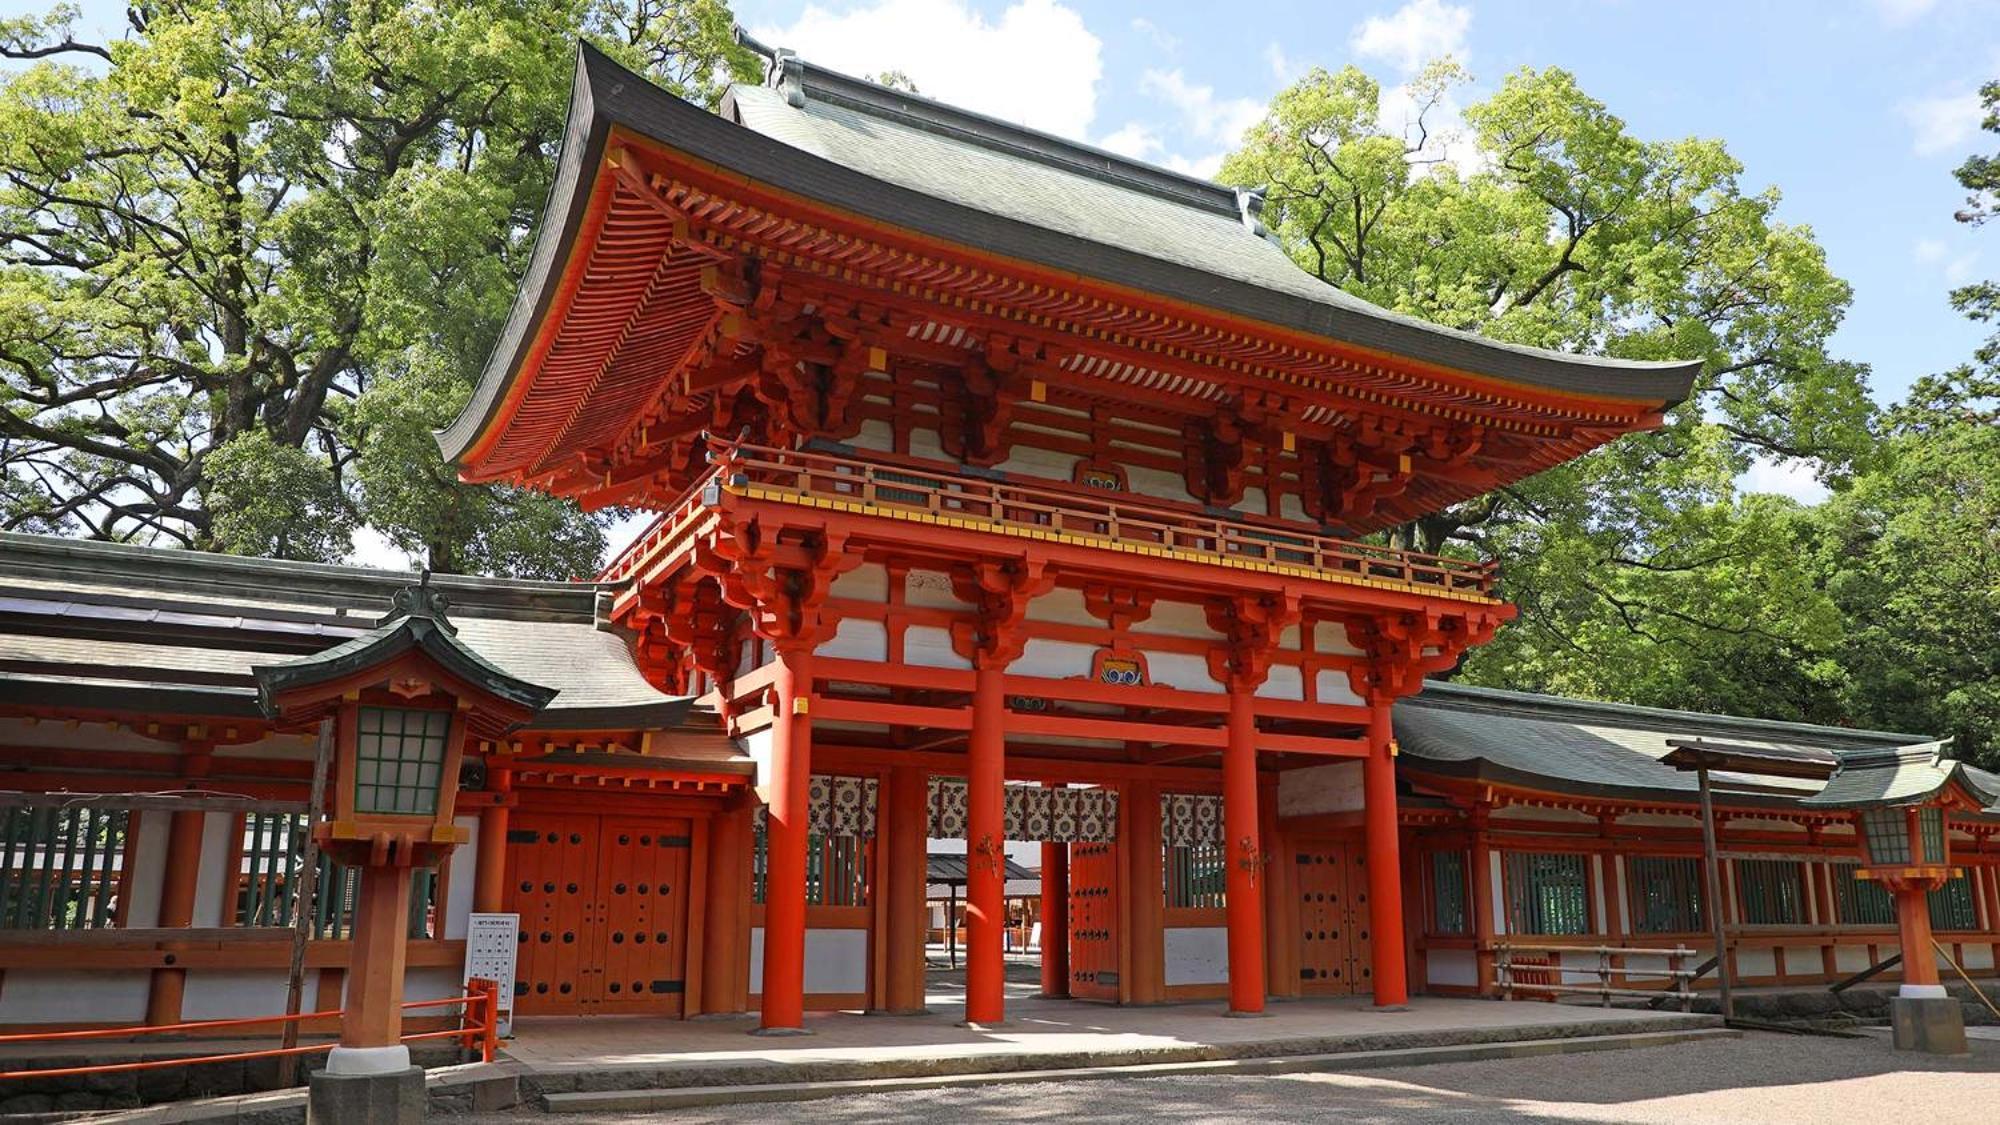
<point x="906" y="840"/>
<point x="1481" y="879"/>
<point x="1244" y="860"/>
<point x="183" y="865"/>
<point x="1281" y="927"/>
<point x="1913" y="923"/>
<point x="376" y="963"/>
<point x="723" y="946"/>
<point x="489" y="871"/>
<point x="1385" y="884"/>
<point x="985" y="847"/>
<point x="1055" y="920"/>
<point x="786" y="831"/>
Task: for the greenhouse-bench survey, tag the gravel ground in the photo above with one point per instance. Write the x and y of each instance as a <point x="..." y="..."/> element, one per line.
<point x="1780" y="1079"/>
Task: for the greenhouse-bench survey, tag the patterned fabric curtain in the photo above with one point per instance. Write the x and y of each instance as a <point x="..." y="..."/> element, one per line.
<point x="1060" y="816"/>
<point x="1187" y="819"/>
<point x="837" y="806"/>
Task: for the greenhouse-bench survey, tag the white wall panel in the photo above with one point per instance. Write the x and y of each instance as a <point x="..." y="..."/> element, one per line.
<point x="1197" y="955"/>
<point x="1183" y="670"/>
<point x="1314" y="790"/>
<point x="857" y="638"/>
<point x="927" y="646"/>
<point x="1285" y="681"/>
<point x="464" y="873"/>
<point x="68" y="996"/>
<point x="1054" y="660"/>
<point x="836" y="961"/>
<point x="1458" y="967"/>
<point x="221" y="994"/>
<point x="214" y="882"/>
<point x="1333" y="687"/>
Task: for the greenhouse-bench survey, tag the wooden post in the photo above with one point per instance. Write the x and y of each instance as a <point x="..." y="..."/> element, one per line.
<point x="1385" y="890"/>
<point x="985" y="848"/>
<point x="1712" y="862"/>
<point x="905" y="843"/>
<point x="1242" y="874"/>
<point x="182" y="869"/>
<point x="786" y="833"/>
<point x="1145" y="886"/>
<point x="1055" y="920"/>
<point x="374" y="1016"/>
<point x="722" y="947"/>
<point x="489" y="873"/>
<point x="302" y="901"/>
<point x="1480" y="879"/>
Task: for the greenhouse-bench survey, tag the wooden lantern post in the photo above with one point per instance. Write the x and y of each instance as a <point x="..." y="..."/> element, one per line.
<point x="403" y="699"/>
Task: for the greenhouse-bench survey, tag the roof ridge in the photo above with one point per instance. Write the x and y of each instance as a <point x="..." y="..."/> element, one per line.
<point x="805" y="81"/>
<point x="1441" y="695"/>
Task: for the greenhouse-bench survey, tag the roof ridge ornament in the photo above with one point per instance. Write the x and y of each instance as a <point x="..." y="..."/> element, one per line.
<point x="1250" y="207"/>
<point x="788" y="76"/>
<point x="422" y="601"/>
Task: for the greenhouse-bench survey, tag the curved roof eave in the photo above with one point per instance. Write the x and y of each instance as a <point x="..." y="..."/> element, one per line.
<point x="605" y="95"/>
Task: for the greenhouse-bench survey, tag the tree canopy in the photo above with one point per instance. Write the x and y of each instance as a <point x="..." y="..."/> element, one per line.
<point x="253" y="251"/>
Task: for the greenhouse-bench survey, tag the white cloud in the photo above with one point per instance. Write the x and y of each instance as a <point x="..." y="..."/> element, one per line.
<point x="1164" y="42"/>
<point x="1942" y="123"/>
<point x="1789" y="477"/>
<point x="1956" y="269"/>
<point x="1135" y="140"/>
<point x="369" y="547"/>
<point x="1414" y="34"/>
<point x="1896" y="13"/>
<point x="1284" y="67"/>
<point x="1036" y="63"/>
<point x="1206" y="116"/>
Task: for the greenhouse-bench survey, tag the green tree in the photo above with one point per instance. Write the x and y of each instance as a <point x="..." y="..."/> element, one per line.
<point x="1641" y="573"/>
<point x="251" y="252"/>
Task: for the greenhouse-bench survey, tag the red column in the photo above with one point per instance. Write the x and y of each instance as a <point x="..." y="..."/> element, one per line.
<point x="184" y="835"/>
<point x="1913" y="922"/>
<point x="985" y="849"/>
<point x="1055" y="920"/>
<point x="1385" y="885"/>
<point x="722" y="947"/>
<point x="786" y="830"/>
<point x="1242" y="857"/>
<point x="1481" y="879"/>
<point x="489" y="871"/>
<point x="374" y="1017"/>
<point x="909" y="831"/>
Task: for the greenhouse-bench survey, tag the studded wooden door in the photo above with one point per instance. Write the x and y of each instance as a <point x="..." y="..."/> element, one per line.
<point x="1333" y="915"/>
<point x="1093" y="922"/>
<point x="603" y="913"/>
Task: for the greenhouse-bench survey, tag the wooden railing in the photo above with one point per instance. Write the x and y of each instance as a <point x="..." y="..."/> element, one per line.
<point x="1542" y="972"/>
<point x="1116" y="520"/>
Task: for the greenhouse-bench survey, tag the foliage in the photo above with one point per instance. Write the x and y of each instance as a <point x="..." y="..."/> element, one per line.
<point x="1641" y="573"/>
<point x="251" y="237"/>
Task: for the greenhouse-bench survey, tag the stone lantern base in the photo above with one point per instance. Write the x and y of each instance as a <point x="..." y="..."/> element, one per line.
<point x="1926" y="1018"/>
<point x="368" y="1085"/>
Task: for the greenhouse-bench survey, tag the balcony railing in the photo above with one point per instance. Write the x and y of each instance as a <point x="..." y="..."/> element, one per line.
<point x="1115" y="520"/>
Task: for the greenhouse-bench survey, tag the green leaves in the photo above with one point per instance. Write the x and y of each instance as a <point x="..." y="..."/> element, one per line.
<point x="225" y="235"/>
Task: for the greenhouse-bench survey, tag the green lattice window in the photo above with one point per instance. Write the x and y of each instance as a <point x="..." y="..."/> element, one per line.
<point x="399" y="760"/>
<point x="1888" y="835"/>
<point x="1666" y="894"/>
<point x="836" y="868"/>
<point x="60" y="867"/>
<point x="1547" y="893"/>
<point x="1860" y="902"/>
<point x="1952" y="907"/>
<point x="1771" y="891"/>
<point x="269" y="879"/>
<point x="1194" y="875"/>
<point x="1449" y="913"/>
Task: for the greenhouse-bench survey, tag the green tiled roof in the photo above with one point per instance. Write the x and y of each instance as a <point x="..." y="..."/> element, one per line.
<point x="1904" y="775"/>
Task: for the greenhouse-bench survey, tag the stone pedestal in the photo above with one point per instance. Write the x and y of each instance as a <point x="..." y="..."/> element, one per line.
<point x="393" y="1097"/>
<point x="1932" y="1024"/>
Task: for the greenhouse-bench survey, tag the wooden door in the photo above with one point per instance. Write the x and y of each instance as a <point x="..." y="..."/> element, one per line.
<point x="1334" y="953"/>
<point x="1093" y="922"/>
<point x="603" y="906"/>
<point x="551" y="867"/>
<point x="640" y="907"/>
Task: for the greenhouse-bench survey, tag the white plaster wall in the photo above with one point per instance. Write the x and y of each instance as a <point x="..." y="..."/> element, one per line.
<point x="1646" y="964"/>
<point x="458" y="888"/>
<point x="64" y="996"/>
<point x="1063" y="605"/>
<point x="1331" y="637"/>
<point x="1800" y="959"/>
<point x="1183" y="670"/>
<point x="1157" y="483"/>
<point x="1285" y="681"/>
<point x="1335" y="787"/>
<point x="212" y="885"/>
<point x="220" y="994"/>
<point x="857" y="638"/>
<point x="927" y="646"/>
<point x="1178" y="619"/>
<point x="875" y="434"/>
<point x="1452" y="967"/>
<point x="757" y="747"/>
<point x="1055" y="660"/>
<point x="1045" y="463"/>
<point x="1756" y="962"/>
<point x="930" y="589"/>
<point x="836" y="960"/>
<point x="1197" y="954"/>
<point x="1977" y="956"/>
<point x="1333" y="687"/>
<point x="924" y="443"/>
<point x="433" y="983"/>
<point x="1292" y="508"/>
<point x="1254" y="501"/>
<point x="149" y="868"/>
<point x="1850" y="958"/>
<point x="866" y="583"/>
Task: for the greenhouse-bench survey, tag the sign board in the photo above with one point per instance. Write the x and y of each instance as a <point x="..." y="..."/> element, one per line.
<point x="492" y="942"/>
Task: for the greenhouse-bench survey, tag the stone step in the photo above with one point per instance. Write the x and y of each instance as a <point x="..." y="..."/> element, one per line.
<point x="689" y="1097"/>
